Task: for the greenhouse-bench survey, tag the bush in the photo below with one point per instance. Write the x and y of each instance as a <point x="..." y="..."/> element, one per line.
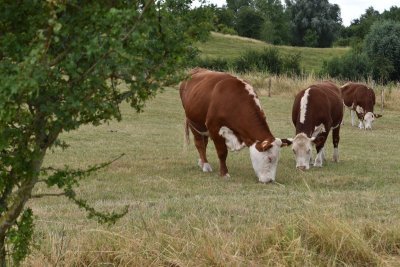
<point x="217" y="64"/>
<point x="351" y="66"/>
<point x="291" y="64"/>
<point x="268" y="60"/>
<point x="222" y="28"/>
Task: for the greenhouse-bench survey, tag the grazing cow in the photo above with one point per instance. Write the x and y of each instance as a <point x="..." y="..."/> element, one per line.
<point x="316" y="110"/>
<point x="360" y="99"/>
<point x="226" y="109"/>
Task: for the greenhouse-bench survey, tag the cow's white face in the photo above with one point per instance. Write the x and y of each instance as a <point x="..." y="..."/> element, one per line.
<point x="266" y="162"/>
<point x="368" y="120"/>
<point x="302" y="146"/>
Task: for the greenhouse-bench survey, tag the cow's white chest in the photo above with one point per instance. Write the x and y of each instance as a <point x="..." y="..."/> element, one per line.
<point x="231" y="141"/>
<point x="318" y="129"/>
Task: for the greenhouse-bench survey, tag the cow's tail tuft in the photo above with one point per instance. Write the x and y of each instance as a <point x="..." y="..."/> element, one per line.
<point x="187" y="140"/>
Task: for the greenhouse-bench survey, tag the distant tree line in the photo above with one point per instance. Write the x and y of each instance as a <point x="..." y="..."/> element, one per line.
<point x="313" y="23"/>
<point x="374" y="37"/>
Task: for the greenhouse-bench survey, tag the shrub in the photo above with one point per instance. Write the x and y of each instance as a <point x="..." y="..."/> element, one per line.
<point x="291" y="64"/>
<point x="268" y="60"/>
<point x="217" y="64"/>
<point x="351" y="66"/>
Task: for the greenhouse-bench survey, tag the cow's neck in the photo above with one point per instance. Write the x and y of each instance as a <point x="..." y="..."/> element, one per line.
<point x="306" y="127"/>
<point x="256" y="132"/>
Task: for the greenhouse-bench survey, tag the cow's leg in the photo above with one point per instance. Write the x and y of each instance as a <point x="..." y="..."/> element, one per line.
<point x="201" y="142"/>
<point x="319" y="159"/>
<point x="335" y="140"/>
<point x="222" y="152"/>
<point x="352" y="117"/>
<point x="361" y="124"/>
<point x="323" y="154"/>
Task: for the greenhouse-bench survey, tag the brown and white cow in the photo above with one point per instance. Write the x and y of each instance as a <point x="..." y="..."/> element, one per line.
<point x="360" y="99"/>
<point x="226" y="109"/>
<point x="316" y="110"/>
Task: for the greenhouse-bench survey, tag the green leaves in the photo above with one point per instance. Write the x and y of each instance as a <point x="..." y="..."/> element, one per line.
<point x="64" y="64"/>
<point x="20" y="237"/>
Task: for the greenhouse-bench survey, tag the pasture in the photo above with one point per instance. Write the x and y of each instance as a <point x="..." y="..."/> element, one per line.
<point x="231" y="46"/>
<point x="341" y="214"/>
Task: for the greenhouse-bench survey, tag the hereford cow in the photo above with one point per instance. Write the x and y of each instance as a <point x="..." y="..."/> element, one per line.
<point x="226" y="109"/>
<point x="360" y="99"/>
<point x="316" y="110"/>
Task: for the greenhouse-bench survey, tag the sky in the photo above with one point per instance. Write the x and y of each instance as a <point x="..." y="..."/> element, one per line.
<point x="350" y="9"/>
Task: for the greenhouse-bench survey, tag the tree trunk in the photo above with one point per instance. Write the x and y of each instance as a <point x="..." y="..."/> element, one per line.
<point x="3" y="258"/>
<point x="21" y="196"/>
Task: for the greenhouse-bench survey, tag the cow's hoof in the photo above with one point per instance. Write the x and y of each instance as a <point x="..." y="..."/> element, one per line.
<point x="226" y="176"/>
<point x="207" y="167"/>
<point x="318" y="164"/>
<point x="267" y="182"/>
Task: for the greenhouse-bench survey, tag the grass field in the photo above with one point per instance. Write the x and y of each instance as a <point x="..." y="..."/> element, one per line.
<point x="344" y="214"/>
<point x="230" y="46"/>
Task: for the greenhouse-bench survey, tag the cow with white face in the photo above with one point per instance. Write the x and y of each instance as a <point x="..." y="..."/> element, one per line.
<point x="360" y="99"/>
<point x="316" y="110"/>
<point x="227" y="109"/>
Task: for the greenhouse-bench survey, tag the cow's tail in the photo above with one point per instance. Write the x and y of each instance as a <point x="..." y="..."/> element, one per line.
<point x="187" y="140"/>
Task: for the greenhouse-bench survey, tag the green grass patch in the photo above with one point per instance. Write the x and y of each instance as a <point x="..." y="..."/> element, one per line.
<point x="230" y="46"/>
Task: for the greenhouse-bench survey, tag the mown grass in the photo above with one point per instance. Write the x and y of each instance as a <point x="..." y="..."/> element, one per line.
<point x="230" y="46"/>
<point x="344" y="214"/>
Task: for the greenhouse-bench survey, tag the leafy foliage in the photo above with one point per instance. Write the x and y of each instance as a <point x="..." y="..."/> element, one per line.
<point x="249" y="22"/>
<point x="20" y="236"/>
<point x="268" y="60"/>
<point x="217" y="64"/>
<point x="314" y="21"/>
<point x="64" y="64"/>
<point x="382" y="45"/>
<point x="351" y="66"/>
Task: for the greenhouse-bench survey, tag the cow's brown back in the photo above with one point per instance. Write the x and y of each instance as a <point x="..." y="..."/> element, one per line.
<point x="225" y="99"/>
<point x="324" y="105"/>
<point x="357" y="94"/>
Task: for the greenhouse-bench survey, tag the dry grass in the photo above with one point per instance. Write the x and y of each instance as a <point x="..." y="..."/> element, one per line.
<point x="343" y="214"/>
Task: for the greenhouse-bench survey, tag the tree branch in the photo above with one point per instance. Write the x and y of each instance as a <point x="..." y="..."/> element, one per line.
<point x="47" y="195"/>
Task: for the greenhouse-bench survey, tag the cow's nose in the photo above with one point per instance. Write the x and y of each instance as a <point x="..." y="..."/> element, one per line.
<point x="301" y="168"/>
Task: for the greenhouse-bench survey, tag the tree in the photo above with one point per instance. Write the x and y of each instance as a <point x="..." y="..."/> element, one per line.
<point x="236" y="5"/>
<point x="64" y="64"/>
<point x="382" y="45"/>
<point x="249" y="22"/>
<point x="275" y="28"/>
<point x="314" y="16"/>
<point x="358" y="29"/>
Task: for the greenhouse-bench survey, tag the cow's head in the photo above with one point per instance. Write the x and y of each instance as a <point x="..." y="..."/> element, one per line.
<point x="369" y="118"/>
<point x="302" y="147"/>
<point x="264" y="157"/>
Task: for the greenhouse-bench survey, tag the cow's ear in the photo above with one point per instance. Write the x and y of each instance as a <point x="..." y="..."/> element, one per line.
<point x="378" y="115"/>
<point x="319" y="140"/>
<point x="263" y="146"/>
<point x="286" y="142"/>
